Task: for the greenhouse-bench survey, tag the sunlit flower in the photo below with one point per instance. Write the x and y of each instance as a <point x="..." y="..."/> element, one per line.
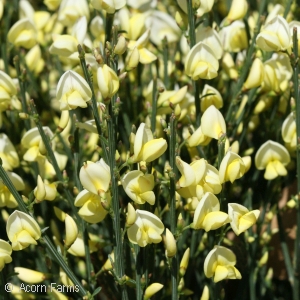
<point x="71" y="10"/>
<point x="170" y="244"/>
<point x="220" y="264"/>
<point x="22" y="230"/>
<point x="198" y="138"/>
<point x="238" y="10"/>
<point x="275" y="35"/>
<point x="232" y="167"/>
<point x="71" y="231"/>
<point x="146" y="148"/>
<point x="147" y="229"/>
<point x="212" y="123"/>
<point x="208" y="215"/>
<point x="7" y="91"/>
<point x="273" y="157"/>
<point x="210" y="96"/>
<point x="152" y="289"/>
<point x="241" y="217"/>
<point x="110" y="6"/>
<point x="139" y="187"/>
<point x="204" y="6"/>
<point x="30" y="276"/>
<point x="256" y="75"/>
<point x="44" y="190"/>
<point x="5" y="254"/>
<point x="91" y="209"/>
<point x="72" y="91"/>
<point x="95" y="177"/>
<point x="201" y="62"/>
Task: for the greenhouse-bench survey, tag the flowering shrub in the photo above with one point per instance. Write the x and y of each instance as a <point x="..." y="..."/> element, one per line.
<point x="145" y="146"/>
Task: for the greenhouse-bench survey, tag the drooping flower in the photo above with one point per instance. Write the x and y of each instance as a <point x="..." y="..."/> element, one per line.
<point x="232" y="167"/>
<point x="220" y="264"/>
<point x="139" y="187"/>
<point x="275" y="35"/>
<point x="146" y="148"/>
<point x="72" y="91"/>
<point x="91" y="209"/>
<point x="5" y="254"/>
<point x="288" y="132"/>
<point x="147" y="229"/>
<point x="208" y="215"/>
<point x="71" y="231"/>
<point x="273" y="157"/>
<point x="241" y="217"/>
<point x="95" y="177"/>
<point x="201" y="62"/>
<point x="22" y="230"/>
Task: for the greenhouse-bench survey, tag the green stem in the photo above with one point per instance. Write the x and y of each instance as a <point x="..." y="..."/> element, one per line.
<point x="94" y="102"/>
<point x="296" y="292"/>
<point x="138" y="272"/>
<point x="108" y="26"/>
<point x="22" y="83"/>
<point x="154" y="105"/>
<point x="112" y="138"/>
<point x="191" y="18"/>
<point x="49" y="245"/>
<point x="174" y="264"/>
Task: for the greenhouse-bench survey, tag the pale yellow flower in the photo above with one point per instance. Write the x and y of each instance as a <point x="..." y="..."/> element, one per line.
<point x="256" y="75"/>
<point x="197" y="138"/>
<point x="212" y="123"/>
<point x="44" y="190"/>
<point x="288" y="132"/>
<point x="207" y="215"/>
<point x="238" y="10"/>
<point x="147" y="229"/>
<point x="95" y="177"/>
<point x="170" y="244"/>
<point x="241" y="217"/>
<point x="210" y="96"/>
<point x="275" y="35"/>
<point x="201" y="62"/>
<point x="184" y="262"/>
<point x="30" y="276"/>
<point x="8" y="153"/>
<point x="34" y="59"/>
<point x="7" y="91"/>
<point x="71" y="10"/>
<point x="220" y="264"/>
<point x="72" y="91"/>
<point x="108" y="81"/>
<point x="110" y="6"/>
<point x="5" y="254"/>
<point x="232" y="167"/>
<point x="22" y="230"/>
<point x="152" y="289"/>
<point x="139" y="187"/>
<point x="273" y="157"/>
<point x="204" y="6"/>
<point x="91" y="209"/>
<point x="71" y="231"/>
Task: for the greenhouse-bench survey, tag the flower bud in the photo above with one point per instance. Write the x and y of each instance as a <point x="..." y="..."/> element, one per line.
<point x="131" y="215"/>
<point x="256" y="75"/>
<point x="184" y="262"/>
<point x="108" y="81"/>
<point x="71" y="231"/>
<point x="170" y="244"/>
<point x="30" y="276"/>
<point x="121" y="45"/>
<point x="5" y="254"/>
<point x="238" y="10"/>
<point x="152" y="289"/>
<point x="132" y="59"/>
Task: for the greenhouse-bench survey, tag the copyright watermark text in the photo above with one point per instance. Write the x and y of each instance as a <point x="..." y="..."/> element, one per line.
<point x="40" y="288"/>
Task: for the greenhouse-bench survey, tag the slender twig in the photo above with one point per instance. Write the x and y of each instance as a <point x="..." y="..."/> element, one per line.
<point x="296" y="292"/>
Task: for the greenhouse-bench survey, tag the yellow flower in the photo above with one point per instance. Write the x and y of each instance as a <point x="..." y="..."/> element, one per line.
<point x="256" y="75"/>
<point x="147" y="229"/>
<point x="95" y="177"/>
<point x="52" y="4"/>
<point x="241" y="217"/>
<point x="208" y="215"/>
<point x="198" y="138"/>
<point x="288" y="132"/>
<point x="275" y="35"/>
<point x="232" y="167"/>
<point x="238" y="10"/>
<point x="131" y="215"/>
<point x="139" y="187"/>
<point x="77" y="248"/>
<point x="6" y="198"/>
<point x="184" y="262"/>
<point x="202" y="6"/>
<point x="22" y="230"/>
<point x="23" y="34"/>
<point x="152" y="289"/>
<point x="71" y="231"/>
<point x="7" y="91"/>
<point x="109" y="5"/>
<point x="108" y="81"/>
<point x="273" y="157"/>
<point x="72" y="91"/>
<point x="8" y="154"/>
<point x="201" y="62"/>
<point x="132" y="59"/>
<point x="145" y="147"/>
<point x="34" y="59"/>
<point x="91" y="209"/>
<point x="121" y="45"/>
<point x="30" y="276"/>
<point x="219" y="263"/>
<point x="212" y="123"/>
<point x="5" y="254"/>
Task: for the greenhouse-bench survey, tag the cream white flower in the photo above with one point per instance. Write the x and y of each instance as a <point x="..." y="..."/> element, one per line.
<point x="5" y="254"/>
<point x="8" y="154"/>
<point x="108" y="81"/>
